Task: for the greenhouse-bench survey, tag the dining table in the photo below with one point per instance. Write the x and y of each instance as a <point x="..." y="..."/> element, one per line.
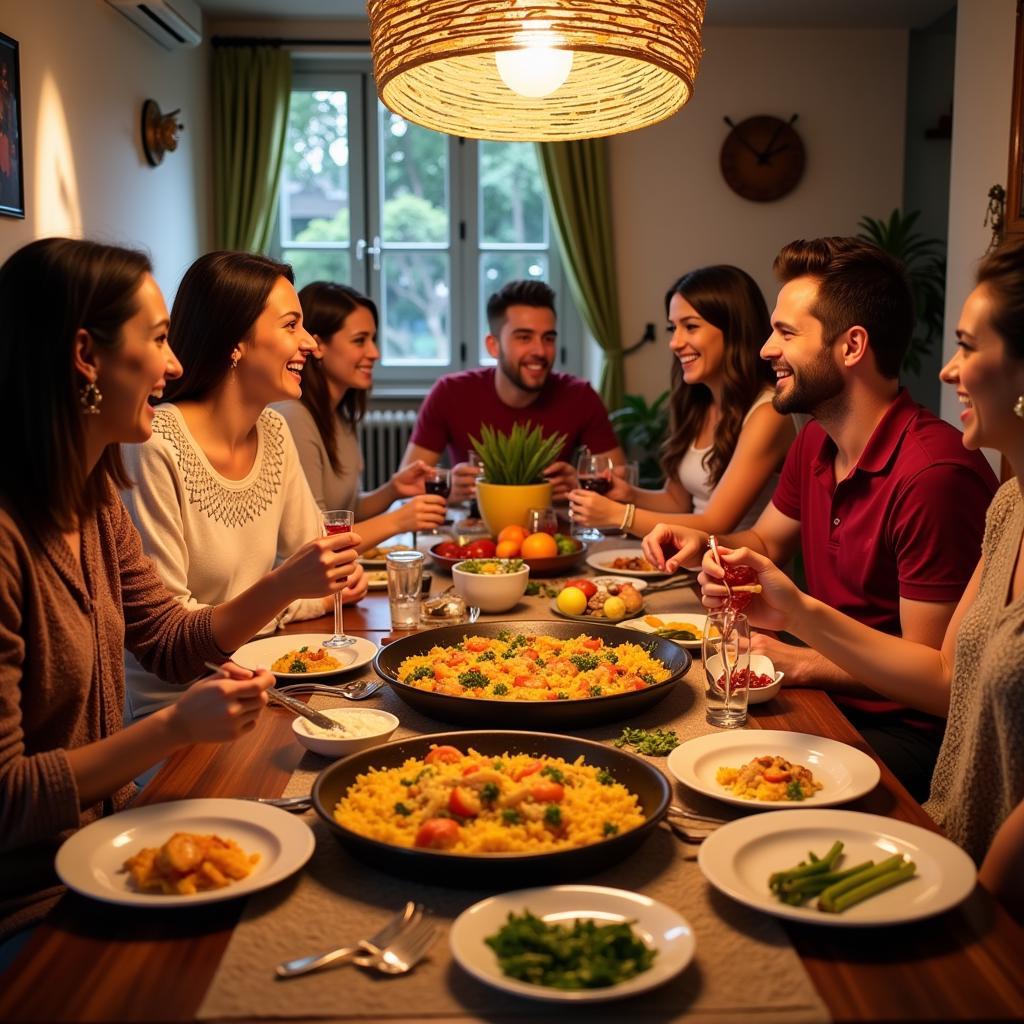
<point x="93" y="961"/>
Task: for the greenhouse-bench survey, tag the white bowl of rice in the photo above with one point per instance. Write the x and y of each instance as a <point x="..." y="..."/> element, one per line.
<point x="364" y="727"/>
<point x="495" y="586"/>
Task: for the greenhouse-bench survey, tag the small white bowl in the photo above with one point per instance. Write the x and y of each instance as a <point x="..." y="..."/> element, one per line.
<point x="489" y="593"/>
<point x="341" y="746"/>
<point x="762" y="665"/>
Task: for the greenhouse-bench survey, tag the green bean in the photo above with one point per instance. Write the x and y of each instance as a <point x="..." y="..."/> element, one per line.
<point x="818" y="867"/>
<point x="811" y="885"/>
<point x="871" y="888"/>
<point x="833" y="892"/>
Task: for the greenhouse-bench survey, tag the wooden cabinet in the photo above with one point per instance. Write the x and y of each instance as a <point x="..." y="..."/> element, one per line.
<point x="1015" y="174"/>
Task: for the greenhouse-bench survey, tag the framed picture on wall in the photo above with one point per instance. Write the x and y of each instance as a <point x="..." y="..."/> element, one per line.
<point x="12" y="167"/>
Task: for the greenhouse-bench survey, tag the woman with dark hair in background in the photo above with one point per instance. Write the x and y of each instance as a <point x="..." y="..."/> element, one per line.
<point x="221" y="497"/>
<point x="976" y="679"/>
<point x="325" y="420"/>
<point x="726" y="442"/>
<point x="83" y="347"/>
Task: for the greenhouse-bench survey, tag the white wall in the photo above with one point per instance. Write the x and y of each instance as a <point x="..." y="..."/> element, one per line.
<point x="85" y="71"/>
<point x="673" y="211"/>
<point x="981" y="140"/>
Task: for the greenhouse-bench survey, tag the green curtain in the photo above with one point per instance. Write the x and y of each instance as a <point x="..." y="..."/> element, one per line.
<point x="251" y="91"/>
<point x="576" y="176"/>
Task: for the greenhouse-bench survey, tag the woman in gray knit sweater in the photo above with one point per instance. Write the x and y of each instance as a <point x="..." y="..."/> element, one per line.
<point x="976" y="680"/>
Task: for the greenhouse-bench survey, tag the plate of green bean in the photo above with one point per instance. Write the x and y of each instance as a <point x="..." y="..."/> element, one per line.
<point x="837" y="868"/>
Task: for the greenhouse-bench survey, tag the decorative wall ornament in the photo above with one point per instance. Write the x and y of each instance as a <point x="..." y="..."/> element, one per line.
<point x="159" y="132"/>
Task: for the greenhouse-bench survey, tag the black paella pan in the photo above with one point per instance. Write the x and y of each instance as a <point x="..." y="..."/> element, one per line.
<point x="543" y="715"/>
<point x="491" y="870"/>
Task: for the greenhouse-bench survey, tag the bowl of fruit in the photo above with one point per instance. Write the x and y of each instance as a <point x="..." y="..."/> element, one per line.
<point x="546" y="554"/>
<point x="761" y="679"/>
<point x="604" y="600"/>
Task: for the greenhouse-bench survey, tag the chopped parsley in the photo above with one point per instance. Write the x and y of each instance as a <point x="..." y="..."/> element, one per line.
<point x="422" y="773"/>
<point x="401" y="809"/>
<point x="652" y="742"/>
<point x="595" y="690"/>
<point x="297" y="666"/>
<point x="540" y="663"/>
<point x="500" y="689"/>
<point x="585" y="662"/>
<point x="610" y="828"/>
<point x="302" y="650"/>
<point x="648" y="678"/>
<point x="611" y="656"/>
<point x="486" y="656"/>
<point x="605" y="777"/>
<point x="504" y="635"/>
<point x="497" y="764"/>
<point x="489" y="792"/>
<point x="510" y="816"/>
<point x="553" y="815"/>
<point x="553" y="773"/>
<point x="420" y="672"/>
<point x="794" y="791"/>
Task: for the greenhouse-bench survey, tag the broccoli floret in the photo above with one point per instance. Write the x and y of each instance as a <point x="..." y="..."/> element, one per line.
<point x="561" y="695"/>
<point x="401" y="809"/>
<point x="489" y="792"/>
<point x="595" y="690"/>
<point x="553" y="815"/>
<point x="611" y="657"/>
<point x="504" y="635"/>
<point x="420" y="672"/>
<point x="794" y="791"/>
<point x="585" y="662"/>
<point x="605" y="777"/>
<point x="297" y="666"/>
<point x="486" y="656"/>
<point x="553" y="773"/>
<point x="648" y="678"/>
<point x="519" y="640"/>
<point x="610" y="828"/>
<point x="500" y="689"/>
<point x="510" y="816"/>
<point x="302" y="650"/>
<point x="473" y="679"/>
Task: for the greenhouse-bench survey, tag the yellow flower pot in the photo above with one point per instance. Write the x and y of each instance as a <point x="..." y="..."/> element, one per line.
<point x="504" y="505"/>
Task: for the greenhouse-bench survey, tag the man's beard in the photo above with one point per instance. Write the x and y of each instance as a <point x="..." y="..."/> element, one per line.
<point x="512" y="373"/>
<point x="813" y="388"/>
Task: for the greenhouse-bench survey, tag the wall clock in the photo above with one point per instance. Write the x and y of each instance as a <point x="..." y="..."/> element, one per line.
<point x="762" y="158"/>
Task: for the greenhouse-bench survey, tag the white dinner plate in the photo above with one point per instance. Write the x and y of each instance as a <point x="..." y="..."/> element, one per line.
<point x="633" y="581"/>
<point x="586" y="618"/>
<point x="697" y="619"/>
<point x="91" y="861"/>
<point x="739" y="858"/>
<point x="263" y="653"/>
<point x="657" y="925"/>
<point x="380" y="563"/>
<point x="376" y="579"/>
<point x="601" y="561"/>
<point x="845" y="772"/>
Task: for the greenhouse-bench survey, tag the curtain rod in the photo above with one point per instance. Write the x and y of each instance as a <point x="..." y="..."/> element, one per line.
<point x="279" y="42"/>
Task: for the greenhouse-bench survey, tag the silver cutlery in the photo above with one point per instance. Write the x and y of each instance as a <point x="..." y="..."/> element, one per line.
<point x="407" y="918"/>
<point x="296" y="707"/>
<point x="682" y="812"/>
<point x="286" y="803"/>
<point x="404" y="952"/>
<point x="358" y="690"/>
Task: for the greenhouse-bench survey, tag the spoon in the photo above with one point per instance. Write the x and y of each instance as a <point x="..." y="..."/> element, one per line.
<point x="296" y="707"/>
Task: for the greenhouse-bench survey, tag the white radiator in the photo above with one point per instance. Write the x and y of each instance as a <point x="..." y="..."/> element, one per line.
<point x="383" y="435"/>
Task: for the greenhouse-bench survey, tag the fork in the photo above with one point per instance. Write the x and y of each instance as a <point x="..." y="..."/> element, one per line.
<point x="359" y="690"/>
<point x="403" y="953"/>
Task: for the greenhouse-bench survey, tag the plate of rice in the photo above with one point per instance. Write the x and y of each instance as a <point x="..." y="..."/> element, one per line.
<point x="483" y="807"/>
<point x="301" y="656"/>
<point x="537" y="674"/>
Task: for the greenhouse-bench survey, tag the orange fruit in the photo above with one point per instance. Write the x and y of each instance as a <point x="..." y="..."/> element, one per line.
<point x="507" y="549"/>
<point x="513" y="532"/>
<point x="539" y="545"/>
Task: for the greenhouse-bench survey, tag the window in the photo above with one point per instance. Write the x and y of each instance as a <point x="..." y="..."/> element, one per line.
<point x="427" y="224"/>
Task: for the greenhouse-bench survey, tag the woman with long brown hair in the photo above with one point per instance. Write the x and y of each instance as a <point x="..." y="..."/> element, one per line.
<point x="726" y="442"/>
<point x="325" y="421"/>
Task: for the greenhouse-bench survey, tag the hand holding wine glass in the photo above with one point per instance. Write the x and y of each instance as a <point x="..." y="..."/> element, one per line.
<point x="338" y="521"/>
<point x="594" y="473"/>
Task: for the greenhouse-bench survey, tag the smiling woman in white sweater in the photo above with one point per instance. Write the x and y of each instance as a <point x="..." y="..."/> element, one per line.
<point x="221" y="497"/>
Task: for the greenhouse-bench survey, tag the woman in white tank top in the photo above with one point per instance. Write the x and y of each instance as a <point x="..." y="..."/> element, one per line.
<point x="727" y="443"/>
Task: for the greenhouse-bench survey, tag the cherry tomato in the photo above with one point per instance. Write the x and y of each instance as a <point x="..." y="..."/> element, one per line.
<point x="586" y="586"/>
<point x="548" y="792"/>
<point x="463" y="803"/>
<point x="449" y="549"/>
<point x="443" y="755"/>
<point x="476" y="645"/>
<point x="483" y="548"/>
<point x="593" y="643"/>
<point x="438" y="834"/>
<point x="779" y="776"/>
<point x="530" y="768"/>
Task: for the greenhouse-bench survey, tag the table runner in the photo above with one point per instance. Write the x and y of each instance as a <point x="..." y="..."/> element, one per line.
<point x="744" y="968"/>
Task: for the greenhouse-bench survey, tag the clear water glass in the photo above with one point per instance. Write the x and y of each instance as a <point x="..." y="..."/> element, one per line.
<point x="338" y="521"/>
<point x="405" y="580"/>
<point x="726" y="651"/>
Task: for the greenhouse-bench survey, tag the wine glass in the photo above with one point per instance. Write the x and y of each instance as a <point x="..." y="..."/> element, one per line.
<point x="594" y="473"/>
<point x="473" y="459"/>
<point x="437" y="481"/>
<point x="338" y="521"/>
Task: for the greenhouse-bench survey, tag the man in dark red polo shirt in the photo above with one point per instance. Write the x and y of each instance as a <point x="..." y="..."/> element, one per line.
<point x="886" y="505"/>
<point x="522" y="388"/>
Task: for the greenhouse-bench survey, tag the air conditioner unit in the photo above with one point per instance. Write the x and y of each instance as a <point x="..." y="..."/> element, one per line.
<point x="172" y="23"/>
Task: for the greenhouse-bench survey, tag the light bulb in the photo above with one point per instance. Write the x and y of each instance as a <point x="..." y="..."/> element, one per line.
<point x="537" y="68"/>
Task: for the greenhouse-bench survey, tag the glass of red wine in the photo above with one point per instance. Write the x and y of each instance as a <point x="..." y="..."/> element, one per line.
<point x="438" y="481"/>
<point x="338" y="521"/>
<point x="594" y="473"/>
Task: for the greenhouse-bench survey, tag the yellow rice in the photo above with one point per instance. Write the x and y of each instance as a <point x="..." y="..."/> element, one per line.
<point x="589" y="810"/>
<point x="533" y="668"/>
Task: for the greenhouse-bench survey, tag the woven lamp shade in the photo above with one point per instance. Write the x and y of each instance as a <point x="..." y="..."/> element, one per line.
<point x="634" y="64"/>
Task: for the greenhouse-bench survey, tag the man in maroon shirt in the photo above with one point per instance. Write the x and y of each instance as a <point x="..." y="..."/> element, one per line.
<point x="522" y="388"/>
<point x="886" y="505"/>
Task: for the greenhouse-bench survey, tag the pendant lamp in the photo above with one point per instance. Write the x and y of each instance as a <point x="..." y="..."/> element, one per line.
<point x="535" y="70"/>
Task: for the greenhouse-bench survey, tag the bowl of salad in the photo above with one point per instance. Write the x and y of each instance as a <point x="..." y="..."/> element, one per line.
<point x="491" y="584"/>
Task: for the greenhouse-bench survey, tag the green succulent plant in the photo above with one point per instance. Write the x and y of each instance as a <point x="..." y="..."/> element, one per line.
<point x="517" y="457"/>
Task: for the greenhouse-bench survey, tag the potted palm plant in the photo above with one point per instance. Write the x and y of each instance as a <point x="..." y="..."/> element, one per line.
<point x="512" y="481"/>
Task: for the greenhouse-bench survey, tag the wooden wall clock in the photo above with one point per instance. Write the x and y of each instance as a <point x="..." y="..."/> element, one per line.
<point x="762" y="158"/>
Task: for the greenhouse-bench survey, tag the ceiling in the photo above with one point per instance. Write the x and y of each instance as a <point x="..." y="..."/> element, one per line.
<point x="760" y="13"/>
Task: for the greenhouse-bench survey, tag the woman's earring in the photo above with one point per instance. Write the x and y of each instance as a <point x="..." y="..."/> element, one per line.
<point x="1018" y="407"/>
<point x="234" y="360"/>
<point x="91" y="398"/>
